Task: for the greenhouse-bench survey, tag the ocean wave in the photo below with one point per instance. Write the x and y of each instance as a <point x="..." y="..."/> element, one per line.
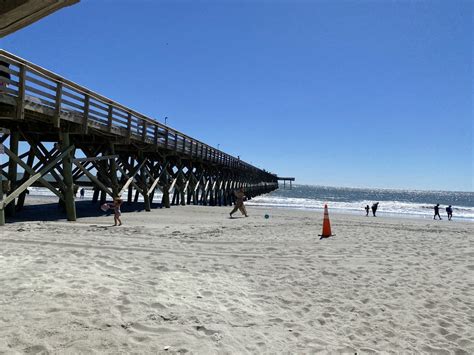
<point x="385" y="207"/>
<point x="290" y="199"/>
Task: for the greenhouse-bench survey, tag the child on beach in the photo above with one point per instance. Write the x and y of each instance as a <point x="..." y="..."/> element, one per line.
<point x="117" y="213"/>
<point x="367" y="208"/>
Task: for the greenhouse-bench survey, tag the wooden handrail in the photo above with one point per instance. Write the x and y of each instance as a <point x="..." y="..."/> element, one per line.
<point x="109" y="112"/>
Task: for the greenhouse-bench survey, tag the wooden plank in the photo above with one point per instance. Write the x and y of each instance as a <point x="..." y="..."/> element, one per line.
<point x="186" y="185"/>
<point x="99" y="105"/>
<point x="121" y="113"/>
<point x="31" y="89"/>
<point x="29" y="78"/>
<point x="31" y="171"/>
<point x="20" y="106"/>
<point x="152" y="187"/>
<point x="163" y="170"/>
<point x="104" y="157"/>
<point x="109" y="118"/>
<point x="172" y="184"/>
<point x="42" y="153"/>
<point x="71" y="95"/>
<point x="8" y="69"/>
<point x="59" y="92"/>
<point x="144" y="128"/>
<point x="9" y="91"/>
<point x="98" y="114"/>
<point x="72" y="104"/>
<point x="129" y="125"/>
<point x="33" y="178"/>
<point x="94" y="179"/>
<point x="85" y="123"/>
<point x="130" y="178"/>
<point x="9" y="81"/>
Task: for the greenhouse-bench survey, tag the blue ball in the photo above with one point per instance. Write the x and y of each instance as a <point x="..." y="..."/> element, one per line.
<point x="267" y="216"/>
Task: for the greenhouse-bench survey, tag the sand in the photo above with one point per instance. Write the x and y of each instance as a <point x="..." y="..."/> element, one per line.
<point x="191" y="280"/>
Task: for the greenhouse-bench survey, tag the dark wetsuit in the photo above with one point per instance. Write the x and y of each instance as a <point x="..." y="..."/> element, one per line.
<point x="374" y="208"/>
<point x="449" y="211"/>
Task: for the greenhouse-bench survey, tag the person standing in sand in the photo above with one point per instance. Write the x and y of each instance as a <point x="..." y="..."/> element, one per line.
<point x="436" y="212"/>
<point x="367" y="209"/>
<point x="449" y="211"/>
<point x="239" y="203"/>
<point x="117" y="212"/>
<point x="374" y="208"/>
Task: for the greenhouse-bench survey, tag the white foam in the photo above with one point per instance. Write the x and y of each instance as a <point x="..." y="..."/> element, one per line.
<point x="385" y="207"/>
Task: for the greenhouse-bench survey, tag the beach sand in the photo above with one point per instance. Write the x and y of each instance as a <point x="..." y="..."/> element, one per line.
<point x="190" y="280"/>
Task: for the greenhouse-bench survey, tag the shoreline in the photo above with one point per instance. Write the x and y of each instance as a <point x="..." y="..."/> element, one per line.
<point x="34" y="199"/>
<point x="355" y="213"/>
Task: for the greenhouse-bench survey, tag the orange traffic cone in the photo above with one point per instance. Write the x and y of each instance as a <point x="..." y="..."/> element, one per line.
<point x="326" y="224"/>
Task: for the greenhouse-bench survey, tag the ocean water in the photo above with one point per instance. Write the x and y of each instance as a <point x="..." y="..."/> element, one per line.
<point x="353" y="200"/>
<point x="408" y="203"/>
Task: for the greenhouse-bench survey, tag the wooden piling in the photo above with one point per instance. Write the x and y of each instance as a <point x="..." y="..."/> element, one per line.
<point x="12" y="171"/>
<point x="68" y="181"/>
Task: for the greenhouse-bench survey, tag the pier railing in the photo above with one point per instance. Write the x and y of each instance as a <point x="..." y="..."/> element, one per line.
<point x="33" y="86"/>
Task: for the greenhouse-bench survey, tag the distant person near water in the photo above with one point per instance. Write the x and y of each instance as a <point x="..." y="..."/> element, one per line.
<point x="449" y="211"/>
<point x="367" y="209"/>
<point x="374" y="208"/>
<point x="436" y="211"/>
<point x="239" y="203"/>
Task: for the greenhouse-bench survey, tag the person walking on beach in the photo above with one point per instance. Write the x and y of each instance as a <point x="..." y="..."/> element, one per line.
<point x="239" y="203"/>
<point x="449" y="211"/>
<point x="374" y="208"/>
<point x="367" y="209"/>
<point x="436" y="211"/>
<point x="117" y="212"/>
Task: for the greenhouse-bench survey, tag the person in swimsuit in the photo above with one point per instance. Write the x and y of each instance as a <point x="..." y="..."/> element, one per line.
<point x="117" y="213"/>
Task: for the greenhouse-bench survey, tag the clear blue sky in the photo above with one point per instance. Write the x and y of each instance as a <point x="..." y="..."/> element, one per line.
<point x="340" y="93"/>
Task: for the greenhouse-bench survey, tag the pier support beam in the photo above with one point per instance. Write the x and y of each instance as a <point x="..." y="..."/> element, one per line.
<point x="68" y="181"/>
<point x="26" y="176"/>
<point x="113" y="172"/>
<point x="12" y="171"/>
<point x="165" y="200"/>
<point x="143" y="177"/>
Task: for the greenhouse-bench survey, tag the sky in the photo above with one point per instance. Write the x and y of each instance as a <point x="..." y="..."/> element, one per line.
<point x="337" y="93"/>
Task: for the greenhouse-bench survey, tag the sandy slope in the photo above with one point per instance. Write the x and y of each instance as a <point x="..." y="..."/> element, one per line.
<point x="190" y="280"/>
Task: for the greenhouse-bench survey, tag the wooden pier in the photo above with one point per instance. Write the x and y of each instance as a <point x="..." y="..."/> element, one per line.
<point x="285" y="179"/>
<point x="16" y="14"/>
<point x="73" y="135"/>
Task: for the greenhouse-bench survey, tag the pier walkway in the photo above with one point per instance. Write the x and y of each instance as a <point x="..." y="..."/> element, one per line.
<point x="79" y="137"/>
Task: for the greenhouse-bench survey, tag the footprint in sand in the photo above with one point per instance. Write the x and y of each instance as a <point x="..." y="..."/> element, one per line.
<point x="36" y="349"/>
